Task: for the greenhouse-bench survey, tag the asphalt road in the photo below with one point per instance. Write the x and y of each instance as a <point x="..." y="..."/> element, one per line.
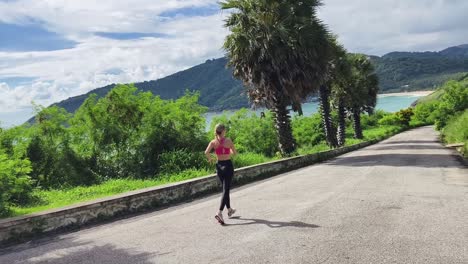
<point x="404" y="200"/>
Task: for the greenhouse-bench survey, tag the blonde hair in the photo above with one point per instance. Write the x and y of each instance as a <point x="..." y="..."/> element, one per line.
<point x="219" y="128"/>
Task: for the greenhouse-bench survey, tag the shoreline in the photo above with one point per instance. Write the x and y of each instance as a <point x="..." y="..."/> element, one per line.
<point x="412" y="93"/>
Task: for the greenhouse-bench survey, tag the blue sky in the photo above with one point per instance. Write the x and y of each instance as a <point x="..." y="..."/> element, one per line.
<point x="51" y="50"/>
<point x="31" y="37"/>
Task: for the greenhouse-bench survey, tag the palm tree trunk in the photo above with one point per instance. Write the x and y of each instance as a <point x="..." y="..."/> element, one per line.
<point x="357" y="123"/>
<point x="341" y="135"/>
<point x="328" y="127"/>
<point x="283" y="127"/>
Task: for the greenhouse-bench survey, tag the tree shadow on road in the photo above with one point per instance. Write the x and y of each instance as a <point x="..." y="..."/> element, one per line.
<point x="411" y="142"/>
<point x="67" y="251"/>
<point x="399" y="160"/>
<point x="271" y="224"/>
<point x="407" y="147"/>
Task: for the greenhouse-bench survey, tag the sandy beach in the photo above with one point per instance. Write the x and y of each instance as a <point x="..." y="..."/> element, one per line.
<point x="412" y="93"/>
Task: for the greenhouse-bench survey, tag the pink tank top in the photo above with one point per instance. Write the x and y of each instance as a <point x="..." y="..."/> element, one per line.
<point x="221" y="150"/>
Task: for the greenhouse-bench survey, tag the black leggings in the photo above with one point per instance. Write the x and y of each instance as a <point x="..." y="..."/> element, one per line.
<point x="225" y="171"/>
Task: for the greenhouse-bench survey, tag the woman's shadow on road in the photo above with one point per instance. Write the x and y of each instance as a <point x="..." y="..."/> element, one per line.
<point x="271" y="224"/>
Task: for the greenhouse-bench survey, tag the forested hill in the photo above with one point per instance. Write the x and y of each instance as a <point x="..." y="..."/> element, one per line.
<point x="420" y="70"/>
<point x="219" y="90"/>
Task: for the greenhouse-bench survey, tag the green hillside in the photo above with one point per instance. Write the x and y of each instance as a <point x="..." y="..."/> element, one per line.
<point x="398" y="71"/>
<point x="420" y="70"/>
<point x="219" y="90"/>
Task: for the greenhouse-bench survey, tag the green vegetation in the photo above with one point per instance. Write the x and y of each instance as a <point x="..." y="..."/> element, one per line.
<point x="361" y="92"/>
<point x="124" y="135"/>
<point x="447" y="109"/>
<point x="456" y="131"/>
<point x="15" y="185"/>
<point x="102" y="147"/>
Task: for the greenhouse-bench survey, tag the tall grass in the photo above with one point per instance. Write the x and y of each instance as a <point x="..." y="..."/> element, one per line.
<point x="456" y="131"/>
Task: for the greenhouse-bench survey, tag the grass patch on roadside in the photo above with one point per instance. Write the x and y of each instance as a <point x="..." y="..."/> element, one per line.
<point x="381" y="132"/>
<point x="58" y="198"/>
<point x="313" y="149"/>
<point x="456" y="131"/>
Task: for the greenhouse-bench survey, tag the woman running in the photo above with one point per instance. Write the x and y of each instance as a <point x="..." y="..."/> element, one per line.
<point x="224" y="148"/>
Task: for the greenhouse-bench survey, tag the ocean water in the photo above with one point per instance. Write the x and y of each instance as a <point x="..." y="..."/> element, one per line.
<point x="386" y="103"/>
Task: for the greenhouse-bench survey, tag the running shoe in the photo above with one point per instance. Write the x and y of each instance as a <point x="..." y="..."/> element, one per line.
<point x="231" y="212"/>
<point x="220" y="219"/>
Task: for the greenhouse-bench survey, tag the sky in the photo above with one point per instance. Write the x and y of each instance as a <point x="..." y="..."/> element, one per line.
<point x="51" y="50"/>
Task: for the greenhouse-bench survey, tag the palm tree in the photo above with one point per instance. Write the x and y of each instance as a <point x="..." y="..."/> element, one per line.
<point x="280" y="50"/>
<point x="363" y="90"/>
<point x="325" y="111"/>
<point x="340" y="86"/>
<point x="335" y="78"/>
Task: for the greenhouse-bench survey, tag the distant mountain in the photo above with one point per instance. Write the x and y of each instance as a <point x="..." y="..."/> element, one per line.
<point x="397" y="71"/>
<point x="219" y="90"/>
<point x="457" y="52"/>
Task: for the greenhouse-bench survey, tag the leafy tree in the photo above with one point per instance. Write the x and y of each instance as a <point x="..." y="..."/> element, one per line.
<point x="54" y="163"/>
<point x="124" y="133"/>
<point x="280" y="50"/>
<point x="171" y="126"/>
<point x="15" y="184"/>
<point x="105" y="130"/>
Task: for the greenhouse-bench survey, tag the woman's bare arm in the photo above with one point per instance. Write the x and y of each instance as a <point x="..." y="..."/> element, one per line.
<point x="208" y="152"/>
<point x="233" y="148"/>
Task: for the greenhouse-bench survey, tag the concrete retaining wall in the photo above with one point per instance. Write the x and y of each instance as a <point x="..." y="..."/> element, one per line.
<point x="13" y="230"/>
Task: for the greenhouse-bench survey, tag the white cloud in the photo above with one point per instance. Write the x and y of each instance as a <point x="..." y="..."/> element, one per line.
<point x="74" y="18"/>
<point x="369" y="26"/>
<point x="90" y="64"/>
<point x="379" y="27"/>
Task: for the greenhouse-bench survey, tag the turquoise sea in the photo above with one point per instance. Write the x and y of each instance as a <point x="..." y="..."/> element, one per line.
<point x="386" y="103"/>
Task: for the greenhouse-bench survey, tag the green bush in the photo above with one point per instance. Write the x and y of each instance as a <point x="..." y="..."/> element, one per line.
<point x="456" y="131"/>
<point x="368" y="121"/>
<point x="247" y="159"/>
<point x="454" y="100"/>
<point x="249" y="132"/>
<point x="54" y="163"/>
<point x="180" y="160"/>
<point x="389" y="120"/>
<point x="404" y="116"/>
<point x="124" y="134"/>
<point x="425" y="113"/>
<point x="400" y="118"/>
<point x="308" y="130"/>
<point x="15" y="184"/>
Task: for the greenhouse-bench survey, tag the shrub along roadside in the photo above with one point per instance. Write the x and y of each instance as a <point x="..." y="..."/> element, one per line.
<point x="448" y="111"/>
<point x="15" y="184"/>
<point x="456" y="131"/>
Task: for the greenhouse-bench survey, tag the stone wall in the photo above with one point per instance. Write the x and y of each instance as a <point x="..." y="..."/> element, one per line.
<point x="17" y="229"/>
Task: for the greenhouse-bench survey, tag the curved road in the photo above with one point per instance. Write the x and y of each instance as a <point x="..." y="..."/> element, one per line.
<point x="404" y="200"/>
